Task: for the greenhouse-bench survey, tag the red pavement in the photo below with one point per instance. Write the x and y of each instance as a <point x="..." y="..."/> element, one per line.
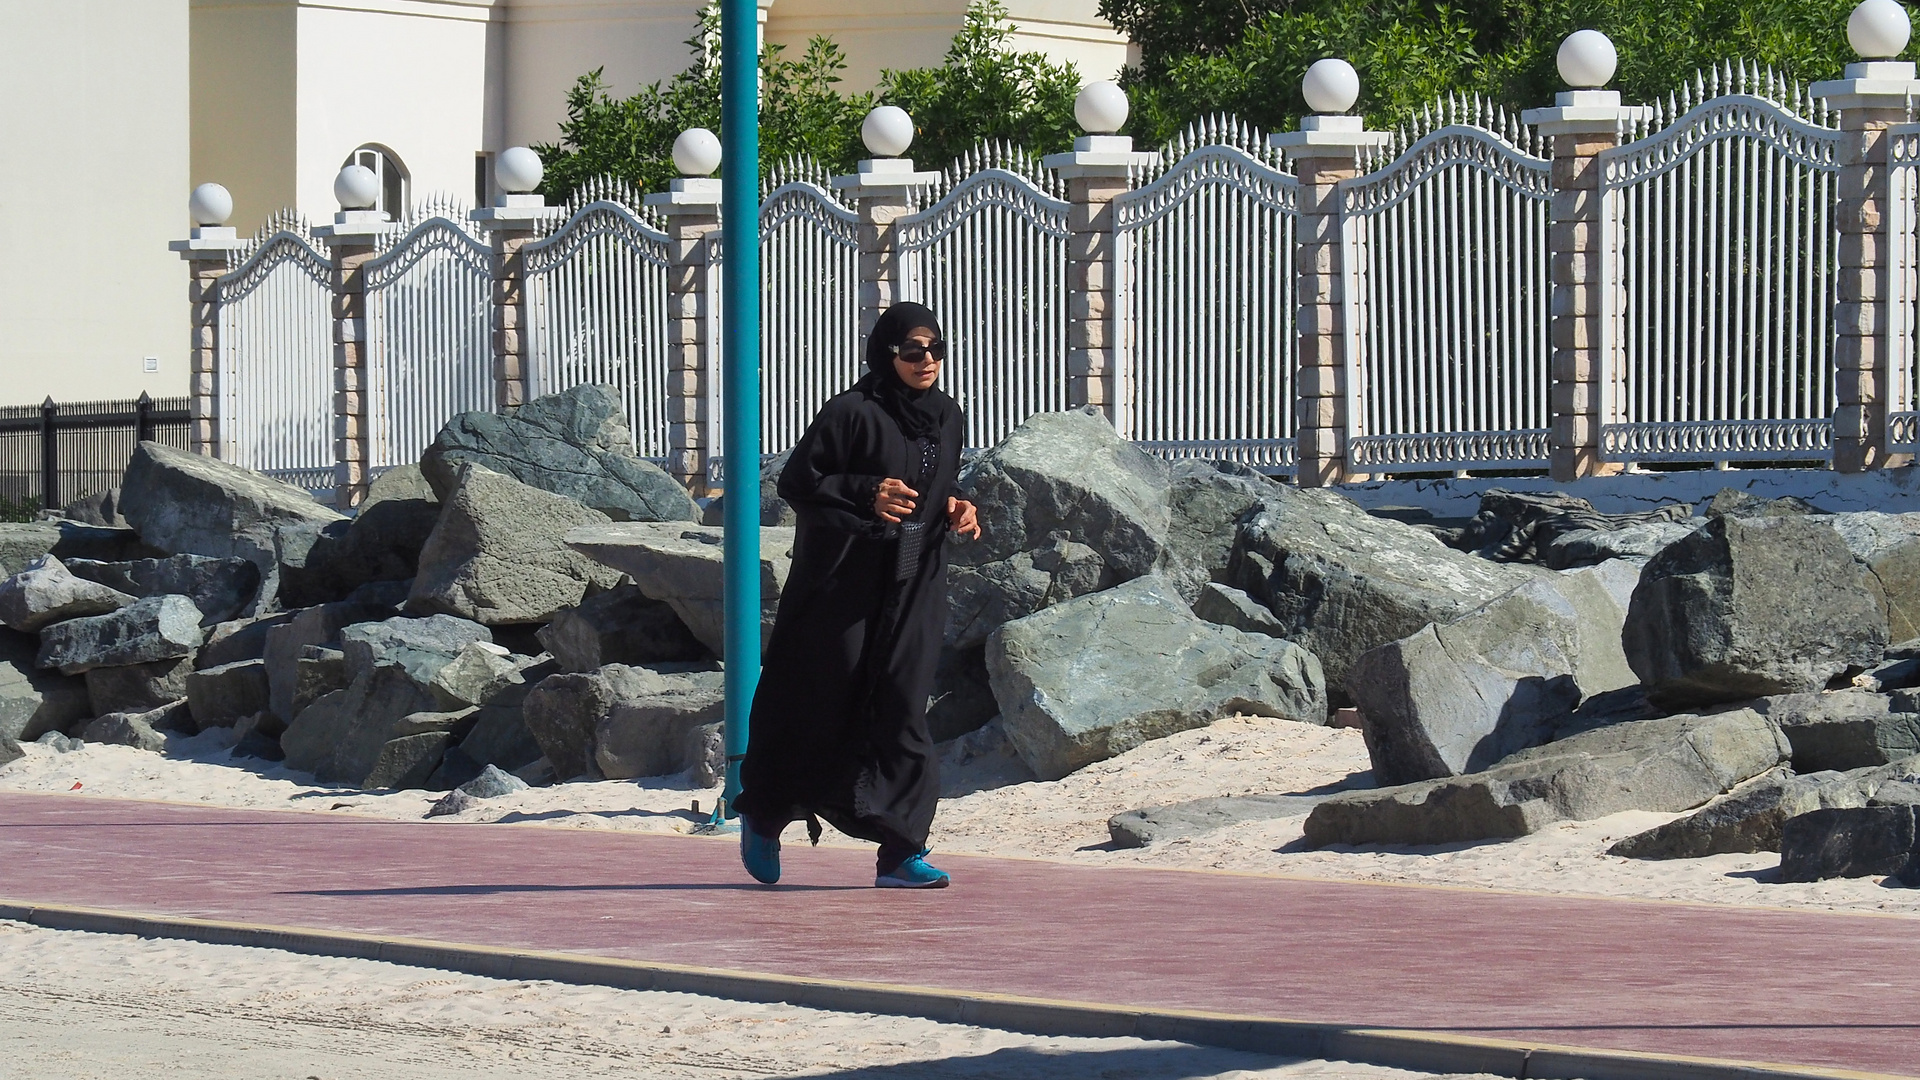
<point x="1776" y="986"/>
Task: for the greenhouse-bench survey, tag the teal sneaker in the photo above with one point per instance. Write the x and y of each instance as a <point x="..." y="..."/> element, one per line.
<point x="915" y="873"/>
<point x="759" y="854"/>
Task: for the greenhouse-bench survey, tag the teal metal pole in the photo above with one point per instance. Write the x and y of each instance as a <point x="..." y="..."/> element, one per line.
<point x="740" y="361"/>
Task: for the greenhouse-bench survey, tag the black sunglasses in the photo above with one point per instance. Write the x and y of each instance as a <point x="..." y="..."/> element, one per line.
<point x="913" y="351"/>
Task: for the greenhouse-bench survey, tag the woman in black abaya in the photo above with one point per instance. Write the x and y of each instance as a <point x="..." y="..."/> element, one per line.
<point x="839" y="724"/>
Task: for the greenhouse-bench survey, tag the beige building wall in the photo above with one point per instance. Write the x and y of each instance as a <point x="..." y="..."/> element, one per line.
<point x="95" y="119"/>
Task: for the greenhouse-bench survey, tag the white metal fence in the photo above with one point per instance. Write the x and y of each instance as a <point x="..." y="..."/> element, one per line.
<point x="429" y="333"/>
<point x="1903" y="273"/>
<point x="1206" y="252"/>
<point x="1725" y="226"/>
<point x="809" y="303"/>
<point x="273" y="399"/>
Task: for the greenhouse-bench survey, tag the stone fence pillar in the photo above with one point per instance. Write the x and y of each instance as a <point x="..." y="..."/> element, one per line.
<point x="352" y="240"/>
<point x="1326" y="150"/>
<point x="692" y="209"/>
<point x="1873" y="97"/>
<point x="1098" y="170"/>
<point x="206" y="253"/>
<point x="510" y="225"/>
<point x="881" y="192"/>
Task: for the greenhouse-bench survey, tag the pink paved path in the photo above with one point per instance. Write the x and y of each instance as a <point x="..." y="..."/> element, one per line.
<point x="1789" y="987"/>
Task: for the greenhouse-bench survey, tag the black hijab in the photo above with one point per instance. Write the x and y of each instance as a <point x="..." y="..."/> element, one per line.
<point x="918" y="412"/>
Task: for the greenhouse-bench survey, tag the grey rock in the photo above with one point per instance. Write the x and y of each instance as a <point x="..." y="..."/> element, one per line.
<point x="480" y="673"/>
<point x="1207" y="501"/>
<point x="1888" y="545"/>
<point x="620" y="626"/>
<point x="1638" y="542"/>
<point x="137" y="688"/>
<point x="47" y="592"/>
<point x="59" y="743"/>
<point x="383" y="542"/>
<point x="1342" y="582"/>
<point x="1733" y="502"/>
<point x="980" y="760"/>
<point x="1890" y="674"/>
<point x="1228" y="606"/>
<point x="34" y="702"/>
<point x="314" y="626"/>
<point x="683" y="566"/>
<point x="649" y="729"/>
<point x="318" y="670"/>
<point x="157" y="628"/>
<point x="1157" y="824"/>
<point x="1524" y="525"/>
<point x="774" y="510"/>
<point x="340" y="738"/>
<point x="100" y="508"/>
<point x="10" y="751"/>
<point x="1458" y="697"/>
<point x="127" y="729"/>
<point x="497" y="557"/>
<point x="407" y="762"/>
<point x="1897" y="793"/>
<point x="1845" y="729"/>
<point x="575" y="444"/>
<point x="493" y="783"/>
<point x="1747" y="607"/>
<point x="1748" y="819"/>
<point x="399" y="482"/>
<point x="1862" y="841"/>
<point x="185" y="503"/>
<point x="500" y="736"/>
<point x="258" y="736"/>
<point x="223" y="696"/>
<point x="706" y="755"/>
<point x="420" y="645"/>
<point x="220" y="588"/>
<point x="453" y="802"/>
<point x="962" y="698"/>
<point x="308" y="742"/>
<point x="983" y="598"/>
<point x="238" y="639"/>
<point x="1671" y="764"/>
<point x="1098" y="675"/>
<point x="23" y="542"/>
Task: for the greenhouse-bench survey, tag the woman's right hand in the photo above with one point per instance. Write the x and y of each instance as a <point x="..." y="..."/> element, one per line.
<point x="894" y="501"/>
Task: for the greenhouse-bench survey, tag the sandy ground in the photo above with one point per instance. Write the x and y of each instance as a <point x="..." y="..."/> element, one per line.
<point x="76" y="1005"/>
<point x="1063" y="820"/>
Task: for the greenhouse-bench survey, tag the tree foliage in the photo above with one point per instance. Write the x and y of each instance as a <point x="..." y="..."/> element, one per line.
<point x="984" y="89"/>
<point x="1247" y="56"/>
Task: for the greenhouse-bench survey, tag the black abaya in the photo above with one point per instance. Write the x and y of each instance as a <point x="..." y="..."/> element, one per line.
<point x="839" y="724"/>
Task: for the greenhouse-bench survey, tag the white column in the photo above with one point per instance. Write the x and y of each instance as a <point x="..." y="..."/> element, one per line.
<point x="351" y="239"/>
<point x="206" y="252"/>
<point x="514" y="219"/>
<point x="881" y="190"/>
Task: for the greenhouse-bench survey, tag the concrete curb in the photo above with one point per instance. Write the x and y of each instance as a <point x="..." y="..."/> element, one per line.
<point x="1034" y="1016"/>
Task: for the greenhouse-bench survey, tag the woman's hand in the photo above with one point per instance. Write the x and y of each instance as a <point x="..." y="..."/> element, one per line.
<point x="894" y="500"/>
<point x="963" y="518"/>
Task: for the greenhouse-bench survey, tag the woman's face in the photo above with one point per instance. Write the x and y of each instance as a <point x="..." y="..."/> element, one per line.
<point x="918" y="361"/>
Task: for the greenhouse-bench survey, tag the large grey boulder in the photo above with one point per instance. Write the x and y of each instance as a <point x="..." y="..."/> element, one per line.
<point x="239" y="639"/>
<point x="1846" y="729"/>
<point x="1195" y="817"/>
<point x="408" y="761"/>
<point x="1668" y="765"/>
<point x="683" y="565"/>
<point x="1749" y="818"/>
<point x="420" y="646"/>
<point x="774" y="510"/>
<point x="223" y="696"/>
<point x="1746" y="607"/>
<point x="185" y="503"/>
<point x="10" y="751"/>
<point x="1860" y="841"/>
<point x="287" y="642"/>
<point x="382" y="543"/>
<point x="621" y="721"/>
<point x="574" y="444"/>
<point x="308" y="742"/>
<point x="1098" y="675"/>
<point x="983" y="598"/>
<point x="21" y="542"/>
<point x="1207" y="500"/>
<point x="1639" y="542"/>
<point x="497" y="557"/>
<point x="1342" y="581"/>
<point x="1228" y="606"/>
<point x="340" y="737"/>
<point x="220" y="588"/>
<point x="621" y="626"/>
<point x="1458" y="697"/>
<point x="137" y="730"/>
<point x="138" y="687"/>
<point x="47" y="592"/>
<point x="32" y="701"/>
<point x="1527" y="525"/>
<point x="157" y="628"/>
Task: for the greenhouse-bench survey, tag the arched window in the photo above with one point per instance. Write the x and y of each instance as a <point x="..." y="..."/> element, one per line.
<point x="393" y="177"/>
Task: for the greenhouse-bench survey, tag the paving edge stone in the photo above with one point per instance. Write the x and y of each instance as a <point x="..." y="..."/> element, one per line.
<point x="1032" y="1016"/>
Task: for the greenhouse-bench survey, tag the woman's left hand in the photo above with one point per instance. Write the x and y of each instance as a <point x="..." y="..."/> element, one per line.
<point x="963" y="518"/>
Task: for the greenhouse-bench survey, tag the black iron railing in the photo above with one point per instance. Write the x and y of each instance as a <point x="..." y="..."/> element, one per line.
<point x="53" y="453"/>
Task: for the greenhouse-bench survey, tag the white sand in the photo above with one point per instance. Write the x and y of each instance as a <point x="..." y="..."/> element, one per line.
<point x="76" y="1005"/>
<point x="1063" y="820"/>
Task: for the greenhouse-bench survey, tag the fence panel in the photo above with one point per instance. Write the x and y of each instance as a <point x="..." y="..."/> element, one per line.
<point x="1903" y="306"/>
<point x="809" y="307"/>
<point x="56" y="453"/>
<point x="1450" y="314"/>
<point x="990" y="257"/>
<point x="1207" y="301"/>
<point x="1721" y="335"/>
<point x="597" y="313"/>
<point x="274" y="388"/>
<point x="429" y="334"/>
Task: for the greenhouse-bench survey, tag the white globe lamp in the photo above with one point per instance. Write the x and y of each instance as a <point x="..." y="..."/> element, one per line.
<point x="210" y="205"/>
<point x="696" y="152"/>
<point x="1879" y="29"/>
<point x="1331" y="86"/>
<point x="1101" y="107"/>
<point x="518" y="169"/>
<point x="356" y="188"/>
<point x="1587" y="59"/>
<point x="887" y="131"/>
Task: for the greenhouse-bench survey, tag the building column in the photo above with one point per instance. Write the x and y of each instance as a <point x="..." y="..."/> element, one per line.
<point x="1583" y="246"/>
<point x="1098" y="170"/>
<point x="1327" y="263"/>
<point x="206" y="253"/>
<point x="351" y="240"/>
<point x="1872" y="97"/>
<point x="510" y="224"/>
<point x="692" y="208"/>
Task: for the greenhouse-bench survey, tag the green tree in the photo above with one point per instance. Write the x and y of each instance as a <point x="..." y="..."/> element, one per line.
<point x="1247" y="56"/>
